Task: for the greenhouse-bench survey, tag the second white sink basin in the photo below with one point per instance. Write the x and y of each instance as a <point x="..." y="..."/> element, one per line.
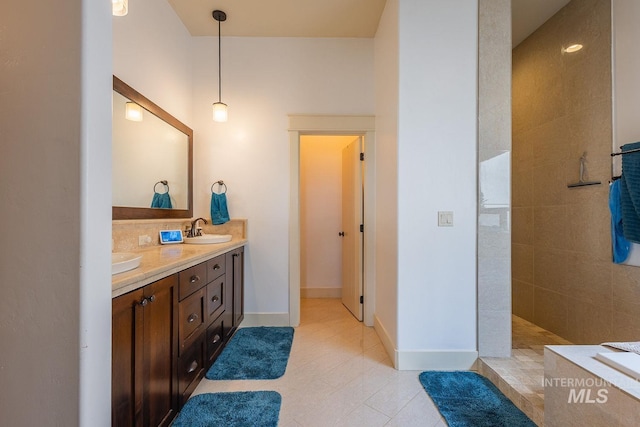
<point x="206" y="239"/>
<point x="124" y="261"/>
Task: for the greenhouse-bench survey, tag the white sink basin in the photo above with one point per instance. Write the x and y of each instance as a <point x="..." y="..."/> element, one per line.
<point x="206" y="239"/>
<point x="124" y="261"/>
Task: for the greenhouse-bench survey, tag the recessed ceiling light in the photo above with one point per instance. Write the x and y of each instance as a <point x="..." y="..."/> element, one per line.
<point x="573" y="48"/>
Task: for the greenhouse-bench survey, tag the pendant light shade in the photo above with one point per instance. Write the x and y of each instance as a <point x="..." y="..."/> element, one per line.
<point x="119" y="7"/>
<point x="133" y="112"/>
<point x="219" y="112"/>
<point x="219" y="108"/>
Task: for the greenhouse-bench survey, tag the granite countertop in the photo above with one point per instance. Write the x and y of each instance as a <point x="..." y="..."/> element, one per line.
<point x="161" y="261"/>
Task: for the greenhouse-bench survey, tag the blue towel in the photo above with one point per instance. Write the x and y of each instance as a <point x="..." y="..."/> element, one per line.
<point x="219" y="212"/>
<point x="621" y="246"/>
<point x="630" y="193"/>
<point x="161" y="200"/>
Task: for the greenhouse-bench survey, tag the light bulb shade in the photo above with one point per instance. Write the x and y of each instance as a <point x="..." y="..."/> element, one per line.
<point x="133" y="112"/>
<point x="119" y="7"/>
<point x="219" y="112"/>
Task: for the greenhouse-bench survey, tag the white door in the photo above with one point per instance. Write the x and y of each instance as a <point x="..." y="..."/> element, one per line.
<point x="352" y="218"/>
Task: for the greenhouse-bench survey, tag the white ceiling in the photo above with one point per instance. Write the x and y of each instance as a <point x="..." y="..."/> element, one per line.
<point x="282" y="18"/>
<point x="324" y="18"/>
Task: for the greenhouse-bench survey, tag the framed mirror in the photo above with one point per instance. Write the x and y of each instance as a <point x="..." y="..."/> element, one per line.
<point x="152" y="152"/>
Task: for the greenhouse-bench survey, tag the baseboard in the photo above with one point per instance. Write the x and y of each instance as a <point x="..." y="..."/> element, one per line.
<point x="320" y="292"/>
<point x="445" y="360"/>
<point x="423" y="360"/>
<point x="265" y="319"/>
<point x="387" y="343"/>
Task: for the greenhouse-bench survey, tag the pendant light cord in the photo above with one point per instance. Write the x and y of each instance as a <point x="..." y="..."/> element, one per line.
<point x="219" y="66"/>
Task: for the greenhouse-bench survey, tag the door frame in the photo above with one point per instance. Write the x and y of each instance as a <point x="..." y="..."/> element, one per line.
<point x="363" y="126"/>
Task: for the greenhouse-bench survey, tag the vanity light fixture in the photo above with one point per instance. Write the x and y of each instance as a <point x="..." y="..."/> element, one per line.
<point x="133" y="112"/>
<point x="219" y="108"/>
<point x="573" y="48"/>
<point x="119" y="7"/>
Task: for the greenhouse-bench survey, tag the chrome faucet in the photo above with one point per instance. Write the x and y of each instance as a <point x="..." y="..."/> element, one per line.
<point x="195" y="231"/>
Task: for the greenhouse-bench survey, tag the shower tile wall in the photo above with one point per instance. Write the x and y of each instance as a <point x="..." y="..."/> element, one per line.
<point x="494" y="146"/>
<point x="563" y="279"/>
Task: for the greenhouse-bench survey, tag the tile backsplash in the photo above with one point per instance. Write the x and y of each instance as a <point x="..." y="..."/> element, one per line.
<point x="131" y="235"/>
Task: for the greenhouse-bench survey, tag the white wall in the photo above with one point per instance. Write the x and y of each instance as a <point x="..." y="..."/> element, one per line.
<point x="55" y="305"/>
<point x="437" y="157"/>
<point x="264" y="80"/>
<point x="321" y="212"/>
<point x="152" y="54"/>
<point x="386" y="110"/>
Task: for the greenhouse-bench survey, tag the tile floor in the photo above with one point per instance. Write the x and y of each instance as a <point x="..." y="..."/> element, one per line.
<point x="340" y="375"/>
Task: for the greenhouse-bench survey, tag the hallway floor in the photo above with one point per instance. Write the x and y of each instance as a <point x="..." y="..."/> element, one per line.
<point x="340" y="375"/>
<point x="521" y="376"/>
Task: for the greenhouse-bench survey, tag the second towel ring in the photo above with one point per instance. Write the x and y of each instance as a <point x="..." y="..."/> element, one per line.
<point x="163" y="182"/>
<point x="221" y="184"/>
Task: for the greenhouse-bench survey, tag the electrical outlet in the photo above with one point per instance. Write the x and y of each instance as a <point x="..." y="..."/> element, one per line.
<point x="144" y="240"/>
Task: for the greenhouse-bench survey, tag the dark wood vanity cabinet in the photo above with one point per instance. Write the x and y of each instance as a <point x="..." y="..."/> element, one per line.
<point x="144" y="371"/>
<point x="168" y="333"/>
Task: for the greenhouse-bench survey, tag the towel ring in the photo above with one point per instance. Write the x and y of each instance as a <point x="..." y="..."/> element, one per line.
<point x="163" y="182"/>
<point x="221" y="184"/>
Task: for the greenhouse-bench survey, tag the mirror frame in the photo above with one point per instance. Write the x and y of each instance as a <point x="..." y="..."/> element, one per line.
<point x="124" y="212"/>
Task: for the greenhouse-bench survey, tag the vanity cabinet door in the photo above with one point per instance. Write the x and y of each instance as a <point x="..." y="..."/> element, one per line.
<point x="144" y="355"/>
<point x="234" y="297"/>
<point x="126" y="381"/>
<point x="160" y="343"/>
<point x="238" y="286"/>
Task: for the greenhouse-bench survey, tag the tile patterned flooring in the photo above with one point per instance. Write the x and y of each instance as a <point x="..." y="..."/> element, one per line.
<point x="340" y="375"/>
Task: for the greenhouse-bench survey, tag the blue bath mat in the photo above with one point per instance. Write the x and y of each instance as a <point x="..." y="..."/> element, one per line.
<point x="242" y="408"/>
<point x="258" y="353"/>
<point x="466" y="399"/>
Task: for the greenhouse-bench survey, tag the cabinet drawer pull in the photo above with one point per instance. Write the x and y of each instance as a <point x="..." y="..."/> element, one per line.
<point x="152" y="298"/>
<point x="192" y="318"/>
<point x="195" y="278"/>
<point x="216" y="339"/>
<point x="143" y="302"/>
<point x="215" y="298"/>
<point x="193" y="366"/>
<point x="216" y="267"/>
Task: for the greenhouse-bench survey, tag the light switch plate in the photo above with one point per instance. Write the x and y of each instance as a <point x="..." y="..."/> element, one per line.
<point x="445" y="219"/>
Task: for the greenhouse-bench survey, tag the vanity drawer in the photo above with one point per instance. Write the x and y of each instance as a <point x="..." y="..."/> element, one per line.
<point x="215" y="298"/>
<point x="215" y="267"/>
<point x="215" y="335"/>
<point x="191" y="366"/>
<point x="192" y="279"/>
<point x="191" y="318"/>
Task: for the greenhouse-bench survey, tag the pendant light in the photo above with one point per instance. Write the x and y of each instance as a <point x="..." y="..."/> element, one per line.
<point x="119" y="7"/>
<point x="219" y="108"/>
<point x="133" y="112"/>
